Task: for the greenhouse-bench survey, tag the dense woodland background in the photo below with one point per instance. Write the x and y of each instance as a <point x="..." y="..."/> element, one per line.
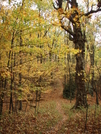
<point x="50" y="67"/>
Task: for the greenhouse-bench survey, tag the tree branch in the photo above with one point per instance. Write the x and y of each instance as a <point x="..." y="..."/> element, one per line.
<point x="68" y="30"/>
<point x="92" y="11"/>
<point x="55" y="7"/>
<point x="70" y="18"/>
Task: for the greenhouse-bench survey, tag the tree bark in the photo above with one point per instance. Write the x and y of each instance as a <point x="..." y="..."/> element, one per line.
<point x="79" y="41"/>
<point x="80" y="57"/>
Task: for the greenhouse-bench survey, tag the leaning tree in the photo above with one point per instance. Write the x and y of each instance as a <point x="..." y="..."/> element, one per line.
<point x="74" y="14"/>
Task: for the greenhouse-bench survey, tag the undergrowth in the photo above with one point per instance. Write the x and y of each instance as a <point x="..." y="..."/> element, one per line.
<point x="29" y="123"/>
<point x="48" y="116"/>
<point x="77" y="122"/>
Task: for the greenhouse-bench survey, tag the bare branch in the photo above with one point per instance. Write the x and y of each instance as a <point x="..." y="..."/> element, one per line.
<point x="55" y="7"/>
<point x="69" y="1"/>
<point x="58" y="3"/>
<point x="67" y="29"/>
<point x="92" y="11"/>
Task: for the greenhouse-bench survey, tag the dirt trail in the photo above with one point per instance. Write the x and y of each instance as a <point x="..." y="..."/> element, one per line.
<point x="56" y="95"/>
<point x="58" y="126"/>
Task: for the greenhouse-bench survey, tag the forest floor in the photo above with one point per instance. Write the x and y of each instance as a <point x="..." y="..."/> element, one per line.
<point x="54" y="117"/>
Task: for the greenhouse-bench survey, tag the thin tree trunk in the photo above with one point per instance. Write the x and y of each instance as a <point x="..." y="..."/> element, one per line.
<point x="20" y="78"/>
<point x="2" y="87"/>
<point x="69" y="60"/>
<point x="92" y="65"/>
<point x="1" y="104"/>
<point x="92" y="73"/>
<point x="11" y="88"/>
<point x="1" y="93"/>
<point x="1" y="96"/>
<point x="11" y="71"/>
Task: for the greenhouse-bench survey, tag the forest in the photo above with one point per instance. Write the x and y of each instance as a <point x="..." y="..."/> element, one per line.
<point x="50" y="67"/>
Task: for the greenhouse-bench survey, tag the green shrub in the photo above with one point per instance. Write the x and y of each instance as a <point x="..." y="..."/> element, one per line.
<point x="69" y="90"/>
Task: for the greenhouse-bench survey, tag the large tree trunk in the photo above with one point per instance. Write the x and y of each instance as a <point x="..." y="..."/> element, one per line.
<point x="78" y="37"/>
<point x="79" y="41"/>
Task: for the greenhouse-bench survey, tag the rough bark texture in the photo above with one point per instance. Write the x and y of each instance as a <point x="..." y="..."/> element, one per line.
<point x="81" y="92"/>
<point x="79" y="41"/>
